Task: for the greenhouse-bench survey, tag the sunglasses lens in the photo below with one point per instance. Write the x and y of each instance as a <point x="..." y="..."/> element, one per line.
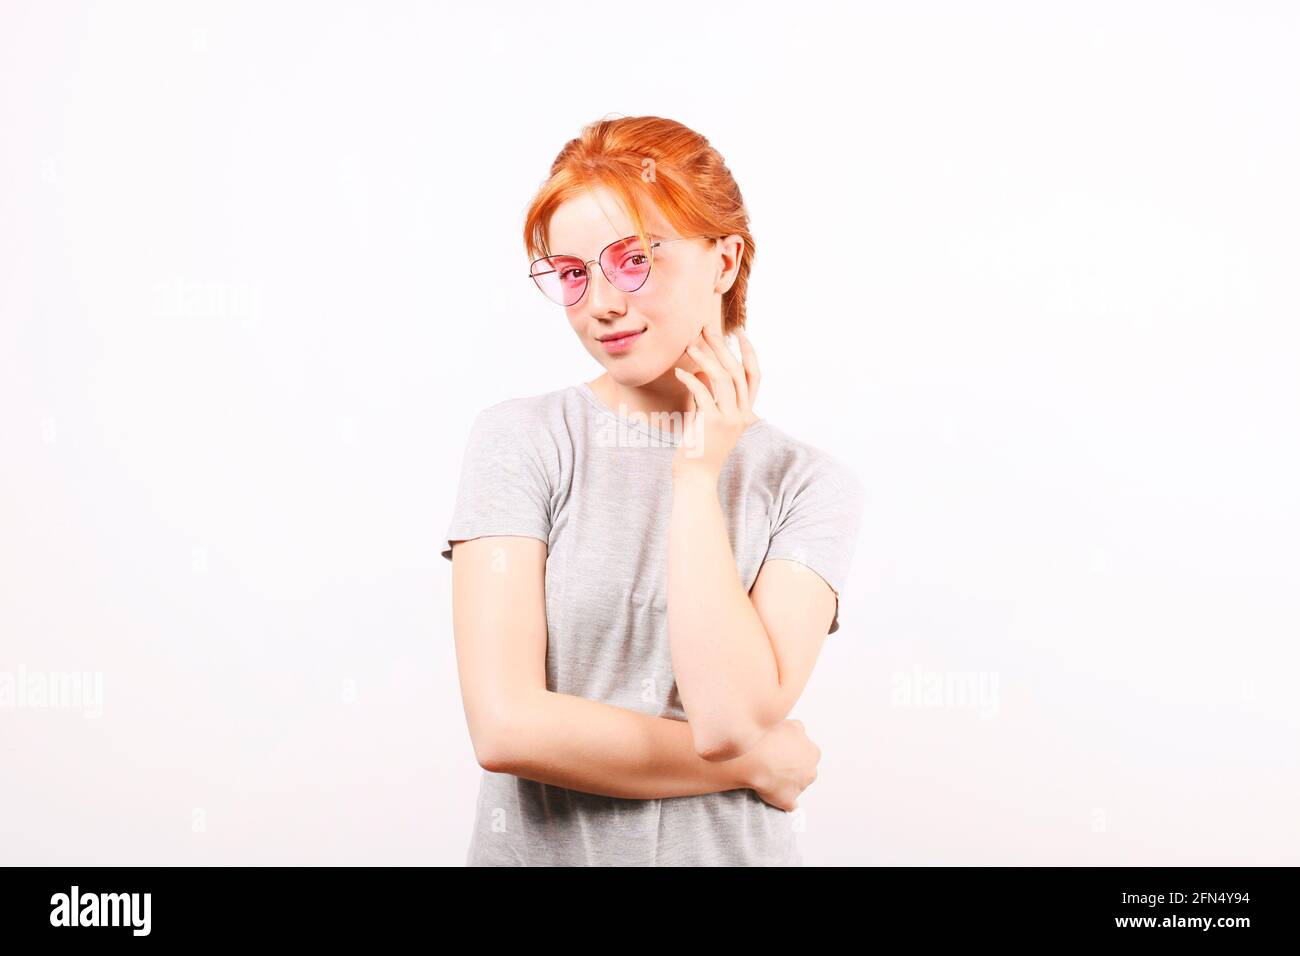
<point x="561" y="278"/>
<point x="627" y="264"/>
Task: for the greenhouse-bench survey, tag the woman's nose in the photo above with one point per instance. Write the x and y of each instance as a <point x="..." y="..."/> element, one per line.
<point x="601" y="294"/>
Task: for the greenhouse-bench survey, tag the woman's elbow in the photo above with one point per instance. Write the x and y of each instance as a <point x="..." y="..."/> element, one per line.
<point x="730" y="744"/>
<point x="490" y="754"/>
<point x="491" y="736"/>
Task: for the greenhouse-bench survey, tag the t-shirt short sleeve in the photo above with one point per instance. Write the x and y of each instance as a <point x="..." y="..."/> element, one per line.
<point x="819" y="525"/>
<point x="504" y="488"/>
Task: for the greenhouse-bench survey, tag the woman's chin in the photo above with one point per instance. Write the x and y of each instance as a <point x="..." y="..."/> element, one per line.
<point x="635" y="371"/>
<point x="627" y="372"/>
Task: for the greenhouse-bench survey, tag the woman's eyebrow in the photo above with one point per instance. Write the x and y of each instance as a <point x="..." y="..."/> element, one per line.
<point x="650" y="234"/>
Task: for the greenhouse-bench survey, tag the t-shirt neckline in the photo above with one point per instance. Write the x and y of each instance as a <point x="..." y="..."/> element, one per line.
<point x="586" y="391"/>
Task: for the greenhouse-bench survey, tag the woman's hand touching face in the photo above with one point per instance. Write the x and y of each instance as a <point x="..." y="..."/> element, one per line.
<point x="724" y="407"/>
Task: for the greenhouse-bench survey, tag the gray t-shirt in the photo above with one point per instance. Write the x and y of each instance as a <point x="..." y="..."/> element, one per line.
<point x="596" y="486"/>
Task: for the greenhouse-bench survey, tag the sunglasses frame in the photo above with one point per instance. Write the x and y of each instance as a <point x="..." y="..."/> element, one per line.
<point x="654" y="244"/>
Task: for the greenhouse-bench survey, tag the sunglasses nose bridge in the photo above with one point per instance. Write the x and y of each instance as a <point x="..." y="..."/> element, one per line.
<point x="586" y="285"/>
<point x="587" y="289"/>
<point x="587" y="277"/>
<point x="599" y="265"/>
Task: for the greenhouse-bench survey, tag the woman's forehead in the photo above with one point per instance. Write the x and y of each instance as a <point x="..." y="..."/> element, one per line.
<point x="590" y="222"/>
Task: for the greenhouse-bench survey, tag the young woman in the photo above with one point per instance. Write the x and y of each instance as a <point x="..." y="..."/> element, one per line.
<point x="644" y="571"/>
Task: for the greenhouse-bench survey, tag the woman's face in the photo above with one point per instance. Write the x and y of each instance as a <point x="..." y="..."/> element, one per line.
<point x="681" y="295"/>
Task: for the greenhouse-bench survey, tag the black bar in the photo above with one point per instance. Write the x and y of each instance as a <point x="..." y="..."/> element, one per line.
<point x="368" y="905"/>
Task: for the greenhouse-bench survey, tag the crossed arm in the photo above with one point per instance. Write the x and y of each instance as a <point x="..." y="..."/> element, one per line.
<point x="518" y="726"/>
<point x="740" y="661"/>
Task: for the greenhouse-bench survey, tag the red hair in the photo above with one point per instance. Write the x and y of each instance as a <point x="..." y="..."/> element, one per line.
<point x="649" y="159"/>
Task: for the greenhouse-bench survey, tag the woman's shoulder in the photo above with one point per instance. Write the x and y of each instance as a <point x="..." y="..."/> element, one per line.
<point x="534" y="428"/>
<point x="775" y="442"/>
<point x="796" y="466"/>
<point x="541" y="409"/>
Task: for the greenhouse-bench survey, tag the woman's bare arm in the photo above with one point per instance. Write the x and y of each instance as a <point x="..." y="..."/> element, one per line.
<point x="518" y="726"/>
<point x="741" y="660"/>
<point x="595" y="747"/>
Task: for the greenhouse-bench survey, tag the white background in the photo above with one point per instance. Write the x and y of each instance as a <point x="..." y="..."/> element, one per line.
<point x="1029" y="268"/>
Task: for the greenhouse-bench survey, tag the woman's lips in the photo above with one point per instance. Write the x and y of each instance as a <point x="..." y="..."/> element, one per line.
<point x="622" y="343"/>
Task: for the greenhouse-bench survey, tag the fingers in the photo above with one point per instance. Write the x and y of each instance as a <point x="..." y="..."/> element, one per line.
<point x="734" y="368"/>
<point x="750" y="360"/>
<point x="702" y="397"/>
<point x="724" y="387"/>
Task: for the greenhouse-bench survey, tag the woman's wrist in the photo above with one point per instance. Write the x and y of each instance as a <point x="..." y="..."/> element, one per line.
<point x="693" y="481"/>
<point x="740" y="772"/>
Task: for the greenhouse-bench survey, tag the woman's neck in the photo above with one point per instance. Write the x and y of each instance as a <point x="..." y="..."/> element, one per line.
<point x="662" y="395"/>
